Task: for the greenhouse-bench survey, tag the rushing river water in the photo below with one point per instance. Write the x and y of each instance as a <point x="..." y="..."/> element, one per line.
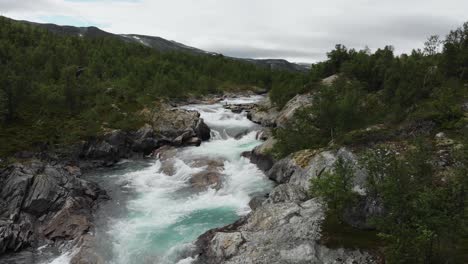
<point x="154" y="216"/>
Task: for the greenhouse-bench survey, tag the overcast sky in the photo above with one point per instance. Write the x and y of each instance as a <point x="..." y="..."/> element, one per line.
<point x="297" y="30"/>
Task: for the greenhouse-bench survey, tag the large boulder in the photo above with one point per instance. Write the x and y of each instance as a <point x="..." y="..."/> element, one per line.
<point x="144" y="140"/>
<point x="286" y="232"/>
<point x="263" y="113"/>
<point x="44" y="202"/>
<point x="108" y="148"/>
<point x="261" y="155"/>
<point x="180" y="125"/>
<point x="298" y="168"/>
<point x="292" y="106"/>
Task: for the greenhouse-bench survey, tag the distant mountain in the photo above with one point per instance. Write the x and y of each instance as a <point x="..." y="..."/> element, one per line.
<point x="162" y="44"/>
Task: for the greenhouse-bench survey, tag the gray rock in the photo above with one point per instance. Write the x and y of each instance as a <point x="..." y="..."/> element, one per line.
<point x="287" y="193"/>
<point x="202" y="130"/>
<point x="257" y="201"/>
<point x="44" y="202"/>
<point x="264" y="113"/>
<point x="275" y="233"/>
<point x="261" y="155"/>
<point x="292" y="106"/>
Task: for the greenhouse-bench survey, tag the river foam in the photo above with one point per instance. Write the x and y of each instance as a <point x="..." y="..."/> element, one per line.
<point x="155" y="217"/>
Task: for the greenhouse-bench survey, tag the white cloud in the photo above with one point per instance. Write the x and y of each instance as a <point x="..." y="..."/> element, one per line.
<point x="299" y="30"/>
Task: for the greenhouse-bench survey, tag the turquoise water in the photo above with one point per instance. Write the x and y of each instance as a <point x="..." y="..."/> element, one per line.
<point x="155" y="218"/>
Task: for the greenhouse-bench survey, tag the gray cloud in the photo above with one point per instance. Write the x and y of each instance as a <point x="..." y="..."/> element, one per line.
<point x="298" y="30"/>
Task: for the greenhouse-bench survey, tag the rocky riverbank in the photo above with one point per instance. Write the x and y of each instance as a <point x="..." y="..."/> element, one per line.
<point x="285" y="227"/>
<point x="45" y="202"/>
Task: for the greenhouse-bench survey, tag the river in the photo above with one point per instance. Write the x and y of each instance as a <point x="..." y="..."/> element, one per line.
<point x="155" y="214"/>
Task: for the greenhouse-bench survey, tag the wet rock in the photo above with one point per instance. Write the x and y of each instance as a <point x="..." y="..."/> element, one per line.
<point x="202" y="130"/>
<point x="144" y="140"/>
<point x="86" y="253"/>
<point x="264" y="134"/>
<point x="261" y="155"/>
<point x="239" y="108"/>
<point x="178" y="125"/>
<point x="206" y="179"/>
<point x="183" y="139"/>
<point x="210" y="164"/>
<point x="246" y="154"/>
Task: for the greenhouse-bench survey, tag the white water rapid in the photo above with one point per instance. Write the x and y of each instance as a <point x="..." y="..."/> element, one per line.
<point x="155" y="215"/>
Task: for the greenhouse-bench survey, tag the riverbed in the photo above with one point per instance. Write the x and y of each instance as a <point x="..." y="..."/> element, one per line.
<point x="156" y="213"/>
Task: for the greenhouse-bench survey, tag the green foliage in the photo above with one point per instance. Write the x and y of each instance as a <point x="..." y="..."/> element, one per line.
<point x="424" y="218"/>
<point x="336" y="110"/>
<point x="65" y="88"/>
<point x="378" y="88"/>
<point x="335" y="188"/>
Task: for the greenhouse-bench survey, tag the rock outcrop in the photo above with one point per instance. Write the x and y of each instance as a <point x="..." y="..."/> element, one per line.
<point x="44" y="204"/>
<point x="283" y="232"/>
<point x="286" y="226"/>
<point x="292" y="106"/>
<point x="261" y="155"/>
<point x="170" y="126"/>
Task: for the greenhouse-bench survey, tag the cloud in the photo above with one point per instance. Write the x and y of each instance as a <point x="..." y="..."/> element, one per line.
<point x="298" y="30"/>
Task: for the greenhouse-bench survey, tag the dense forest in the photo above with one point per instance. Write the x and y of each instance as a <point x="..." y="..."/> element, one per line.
<point x="408" y="114"/>
<point x="379" y="88"/>
<point x="58" y="89"/>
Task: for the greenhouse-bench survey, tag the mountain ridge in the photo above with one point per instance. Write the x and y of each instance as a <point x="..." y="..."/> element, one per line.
<point x="164" y="45"/>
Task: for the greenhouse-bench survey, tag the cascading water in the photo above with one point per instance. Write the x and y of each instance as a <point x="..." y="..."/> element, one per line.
<point x="155" y="214"/>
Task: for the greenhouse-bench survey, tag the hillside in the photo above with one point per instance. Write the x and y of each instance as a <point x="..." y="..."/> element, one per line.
<point x="161" y="44"/>
<point x="59" y="88"/>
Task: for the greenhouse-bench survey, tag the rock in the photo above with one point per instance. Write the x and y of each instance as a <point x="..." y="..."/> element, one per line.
<point x="144" y="140"/>
<point x="443" y="141"/>
<point x="287" y="193"/>
<point x="257" y="201"/>
<point x="69" y="223"/>
<point x="44" y="201"/>
<point x="264" y="134"/>
<point x="246" y="154"/>
<point x="206" y="179"/>
<point x="225" y="245"/>
<point x="297" y="102"/>
<point x="263" y="113"/>
<point x="194" y="141"/>
<point x="330" y="80"/>
<point x="202" y="130"/>
<point x="275" y="233"/>
<point x="108" y="149"/>
<point x="178" y="125"/>
<point x="261" y="157"/>
<point x="239" y="108"/>
<point x="182" y="139"/>
<point x="87" y="253"/>
<point x="298" y="168"/>
<point x="210" y="176"/>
